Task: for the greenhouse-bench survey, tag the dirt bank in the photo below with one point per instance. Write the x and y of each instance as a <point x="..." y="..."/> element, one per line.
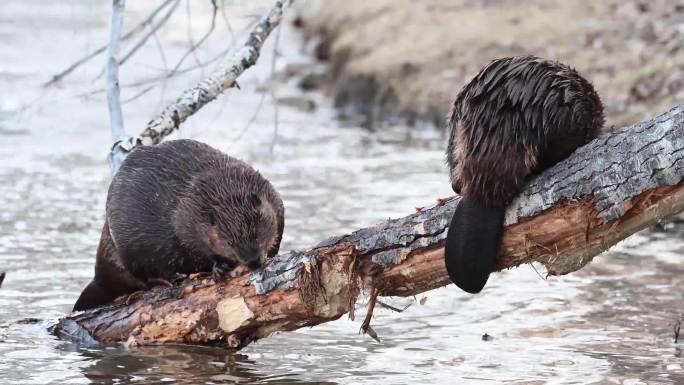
<point x="390" y="58"/>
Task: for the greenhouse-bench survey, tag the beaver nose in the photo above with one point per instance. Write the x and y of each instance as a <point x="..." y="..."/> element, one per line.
<point x="254" y="264"/>
<point x="254" y="259"/>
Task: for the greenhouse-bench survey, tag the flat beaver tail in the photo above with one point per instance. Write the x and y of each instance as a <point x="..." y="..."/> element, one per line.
<point x="472" y="244"/>
<point x="94" y="295"/>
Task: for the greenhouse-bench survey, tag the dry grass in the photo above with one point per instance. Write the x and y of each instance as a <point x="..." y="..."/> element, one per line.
<point x="633" y="51"/>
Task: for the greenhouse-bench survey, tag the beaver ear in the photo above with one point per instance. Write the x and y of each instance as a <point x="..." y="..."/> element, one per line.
<point x="254" y="198"/>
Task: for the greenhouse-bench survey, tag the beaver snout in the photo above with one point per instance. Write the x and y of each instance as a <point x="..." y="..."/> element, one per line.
<point x="254" y="261"/>
<point x="255" y="264"/>
<point x="252" y="258"/>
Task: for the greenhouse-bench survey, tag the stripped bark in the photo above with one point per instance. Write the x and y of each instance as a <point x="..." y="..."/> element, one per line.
<point x="606" y="191"/>
<point x="193" y="99"/>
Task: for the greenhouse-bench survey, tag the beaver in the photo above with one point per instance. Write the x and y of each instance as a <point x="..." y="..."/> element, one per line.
<point x="516" y="117"/>
<point x="178" y="208"/>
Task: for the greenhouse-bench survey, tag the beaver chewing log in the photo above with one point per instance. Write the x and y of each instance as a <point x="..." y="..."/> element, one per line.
<point x="178" y="208"/>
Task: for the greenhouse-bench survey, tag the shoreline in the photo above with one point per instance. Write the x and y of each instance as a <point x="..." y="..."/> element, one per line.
<point x="390" y="61"/>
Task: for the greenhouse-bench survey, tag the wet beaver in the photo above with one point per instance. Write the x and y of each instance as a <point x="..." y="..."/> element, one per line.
<point x="181" y="207"/>
<point x="518" y="116"/>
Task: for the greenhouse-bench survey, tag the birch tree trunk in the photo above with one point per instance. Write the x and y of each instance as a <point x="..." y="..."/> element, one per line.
<point x="604" y="192"/>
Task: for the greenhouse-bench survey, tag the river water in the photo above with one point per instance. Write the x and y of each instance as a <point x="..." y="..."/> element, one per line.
<point x="610" y="323"/>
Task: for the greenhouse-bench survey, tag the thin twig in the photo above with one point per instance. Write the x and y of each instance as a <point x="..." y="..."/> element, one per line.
<point x="365" y="326"/>
<point x="191" y="39"/>
<point x="134" y="31"/>
<point x="172" y="73"/>
<point x="162" y="55"/>
<point x="393" y="308"/>
<point x="143" y="40"/>
<point x="156" y="79"/>
<point x="152" y="32"/>
<point x="194" y="46"/>
<point x="138" y="95"/>
<point x="537" y="271"/>
<point x="253" y="118"/>
<point x="225" y="19"/>
<point x="113" y="93"/>
<point x="273" y="93"/>
<point x="207" y="90"/>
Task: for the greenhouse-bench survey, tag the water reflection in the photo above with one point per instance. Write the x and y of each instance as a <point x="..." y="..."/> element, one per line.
<point x="179" y="364"/>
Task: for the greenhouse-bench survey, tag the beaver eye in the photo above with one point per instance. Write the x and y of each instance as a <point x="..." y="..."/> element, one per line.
<point x="211" y="215"/>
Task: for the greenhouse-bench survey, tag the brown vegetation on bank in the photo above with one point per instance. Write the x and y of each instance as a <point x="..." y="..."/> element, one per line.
<point x="406" y="58"/>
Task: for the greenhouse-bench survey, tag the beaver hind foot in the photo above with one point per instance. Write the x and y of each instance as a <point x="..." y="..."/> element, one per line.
<point x="472" y="245"/>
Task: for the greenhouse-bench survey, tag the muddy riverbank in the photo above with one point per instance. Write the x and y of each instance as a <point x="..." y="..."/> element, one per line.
<point x="408" y="59"/>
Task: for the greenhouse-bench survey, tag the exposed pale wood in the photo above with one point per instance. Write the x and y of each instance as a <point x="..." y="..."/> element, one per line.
<point x="606" y="191"/>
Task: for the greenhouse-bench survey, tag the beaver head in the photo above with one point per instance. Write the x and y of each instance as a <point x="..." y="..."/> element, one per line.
<point x="227" y="215"/>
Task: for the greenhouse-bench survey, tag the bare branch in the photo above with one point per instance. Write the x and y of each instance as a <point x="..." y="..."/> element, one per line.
<point x="134" y="31"/>
<point x="172" y="73"/>
<point x="254" y="116"/>
<point x="138" y="95"/>
<point x="113" y="97"/>
<point x="153" y="80"/>
<point x="166" y="68"/>
<point x="152" y="32"/>
<point x="226" y="21"/>
<point x="273" y="92"/>
<point x="193" y="46"/>
<point x="193" y="99"/>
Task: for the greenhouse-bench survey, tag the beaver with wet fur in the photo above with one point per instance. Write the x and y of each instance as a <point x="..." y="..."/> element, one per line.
<point x="178" y="208"/>
<point x="517" y="117"/>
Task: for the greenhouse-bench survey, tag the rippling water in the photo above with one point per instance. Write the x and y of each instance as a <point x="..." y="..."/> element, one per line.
<point x="610" y="323"/>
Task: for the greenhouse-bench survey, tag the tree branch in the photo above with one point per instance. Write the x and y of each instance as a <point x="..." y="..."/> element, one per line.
<point x="134" y="31"/>
<point x="113" y="94"/>
<point x="152" y="32"/>
<point x="604" y="192"/>
<point x="193" y="99"/>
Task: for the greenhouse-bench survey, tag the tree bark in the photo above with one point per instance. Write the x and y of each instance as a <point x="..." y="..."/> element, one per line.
<point x="604" y="192"/>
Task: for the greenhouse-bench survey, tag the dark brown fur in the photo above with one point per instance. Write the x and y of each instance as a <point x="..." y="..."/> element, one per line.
<point x="178" y="208"/>
<point x="517" y="117"/>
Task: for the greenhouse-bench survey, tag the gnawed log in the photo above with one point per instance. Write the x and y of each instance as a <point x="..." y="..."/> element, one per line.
<point x="606" y="191"/>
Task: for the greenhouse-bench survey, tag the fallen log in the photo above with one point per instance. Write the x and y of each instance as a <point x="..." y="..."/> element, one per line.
<point x="606" y="191"/>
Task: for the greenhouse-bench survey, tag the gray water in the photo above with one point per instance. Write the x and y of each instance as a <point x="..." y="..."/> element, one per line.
<point x="612" y="322"/>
